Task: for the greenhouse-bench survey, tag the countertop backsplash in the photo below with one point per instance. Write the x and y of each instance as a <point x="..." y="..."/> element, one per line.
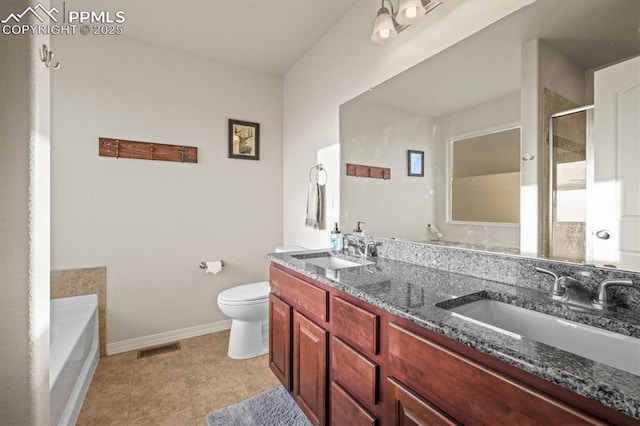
<point x="510" y="269"/>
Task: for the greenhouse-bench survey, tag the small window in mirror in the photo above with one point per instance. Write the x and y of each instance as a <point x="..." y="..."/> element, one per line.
<point x="484" y="177"/>
<point x="415" y="163"/>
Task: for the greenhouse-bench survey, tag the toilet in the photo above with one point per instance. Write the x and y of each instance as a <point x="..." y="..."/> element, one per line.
<point x="248" y="307"/>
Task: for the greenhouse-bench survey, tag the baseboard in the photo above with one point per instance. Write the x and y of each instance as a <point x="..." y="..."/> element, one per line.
<point x="169" y="336"/>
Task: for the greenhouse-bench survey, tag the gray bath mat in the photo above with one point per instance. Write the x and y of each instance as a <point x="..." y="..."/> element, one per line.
<point x="271" y="408"/>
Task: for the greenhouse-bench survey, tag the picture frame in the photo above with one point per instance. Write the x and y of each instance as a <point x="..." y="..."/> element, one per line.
<point x="244" y="140"/>
<point x="415" y="163"/>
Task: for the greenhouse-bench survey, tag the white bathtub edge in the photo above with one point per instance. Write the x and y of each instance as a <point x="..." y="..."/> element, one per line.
<point x="71" y="413"/>
<point x="166" y="337"/>
<point x="62" y="346"/>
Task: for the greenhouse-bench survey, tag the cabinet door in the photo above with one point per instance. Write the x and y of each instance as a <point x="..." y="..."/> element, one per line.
<point x="410" y="409"/>
<point x="310" y="368"/>
<point x="280" y="340"/>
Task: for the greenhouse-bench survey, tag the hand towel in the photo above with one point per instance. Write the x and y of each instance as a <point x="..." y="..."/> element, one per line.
<point x="314" y="206"/>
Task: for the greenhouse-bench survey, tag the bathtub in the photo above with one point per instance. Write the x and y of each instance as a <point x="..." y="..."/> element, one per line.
<point x="73" y="354"/>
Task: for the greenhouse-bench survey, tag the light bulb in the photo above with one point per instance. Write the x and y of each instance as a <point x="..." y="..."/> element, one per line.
<point x="410" y="11"/>
<point x="383" y="27"/>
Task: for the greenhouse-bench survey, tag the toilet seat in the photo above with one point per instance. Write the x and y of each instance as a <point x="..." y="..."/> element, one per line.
<point x="247" y="294"/>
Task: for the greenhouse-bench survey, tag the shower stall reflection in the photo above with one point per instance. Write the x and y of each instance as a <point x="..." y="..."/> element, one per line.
<point x="569" y="133"/>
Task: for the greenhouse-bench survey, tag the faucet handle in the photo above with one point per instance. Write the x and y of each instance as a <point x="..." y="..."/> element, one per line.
<point x="558" y="290"/>
<point x="603" y="296"/>
<point x="372" y="248"/>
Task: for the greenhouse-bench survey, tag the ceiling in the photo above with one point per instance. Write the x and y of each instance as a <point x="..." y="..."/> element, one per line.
<point x="486" y="66"/>
<point x="264" y="35"/>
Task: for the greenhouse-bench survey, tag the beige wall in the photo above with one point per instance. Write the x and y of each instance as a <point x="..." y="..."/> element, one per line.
<point x="150" y="222"/>
<point x="24" y="227"/>
<point x="378" y="135"/>
<point x="344" y="64"/>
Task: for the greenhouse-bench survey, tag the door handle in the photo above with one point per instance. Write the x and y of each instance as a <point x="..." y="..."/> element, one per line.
<point x="603" y="234"/>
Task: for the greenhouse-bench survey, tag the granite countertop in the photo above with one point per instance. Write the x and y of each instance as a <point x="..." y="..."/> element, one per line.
<point x="412" y="292"/>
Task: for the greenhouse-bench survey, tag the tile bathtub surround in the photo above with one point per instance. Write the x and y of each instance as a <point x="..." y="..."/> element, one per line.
<point x="78" y="282"/>
<point x="175" y="388"/>
<point x="509" y="269"/>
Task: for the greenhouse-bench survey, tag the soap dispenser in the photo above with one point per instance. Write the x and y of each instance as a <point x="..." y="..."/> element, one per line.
<point x="336" y="239"/>
<point x="358" y="231"/>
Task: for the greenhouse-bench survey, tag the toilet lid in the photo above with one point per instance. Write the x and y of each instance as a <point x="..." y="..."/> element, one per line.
<point x="246" y="292"/>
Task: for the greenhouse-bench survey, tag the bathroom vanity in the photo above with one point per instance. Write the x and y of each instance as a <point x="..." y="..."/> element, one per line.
<point x="367" y="344"/>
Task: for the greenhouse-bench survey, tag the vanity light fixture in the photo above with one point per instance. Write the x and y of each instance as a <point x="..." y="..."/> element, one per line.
<point x="389" y="23"/>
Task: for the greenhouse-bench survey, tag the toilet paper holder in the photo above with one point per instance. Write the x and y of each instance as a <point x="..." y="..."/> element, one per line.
<point x="203" y="265"/>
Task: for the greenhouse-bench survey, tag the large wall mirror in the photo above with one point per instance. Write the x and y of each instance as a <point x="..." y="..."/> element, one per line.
<point x="513" y="76"/>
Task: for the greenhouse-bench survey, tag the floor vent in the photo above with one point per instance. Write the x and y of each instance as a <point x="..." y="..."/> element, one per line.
<point x="169" y="347"/>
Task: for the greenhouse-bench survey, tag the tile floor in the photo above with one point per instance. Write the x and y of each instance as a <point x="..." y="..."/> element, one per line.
<point x="177" y="388"/>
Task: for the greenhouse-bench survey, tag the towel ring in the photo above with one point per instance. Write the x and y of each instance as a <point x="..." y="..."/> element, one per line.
<point x="318" y="168"/>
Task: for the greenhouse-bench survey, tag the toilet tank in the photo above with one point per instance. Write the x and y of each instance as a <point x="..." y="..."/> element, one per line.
<point x="288" y="248"/>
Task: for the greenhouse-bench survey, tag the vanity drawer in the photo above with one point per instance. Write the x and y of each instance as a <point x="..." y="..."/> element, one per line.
<point x="409" y="408"/>
<point x="356" y="325"/>
<point x="354" y="372"/>
<point x="302" y="295"/>
<point x="468" y="391"/>
<point x="347" y="411"/>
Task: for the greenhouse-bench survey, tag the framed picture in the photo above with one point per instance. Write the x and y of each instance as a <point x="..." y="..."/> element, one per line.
<point x="244" y="140"/>
<point x="415" y="163"/>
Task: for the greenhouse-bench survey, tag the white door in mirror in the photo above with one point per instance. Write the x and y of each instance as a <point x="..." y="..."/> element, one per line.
<point x="614" y="205"/>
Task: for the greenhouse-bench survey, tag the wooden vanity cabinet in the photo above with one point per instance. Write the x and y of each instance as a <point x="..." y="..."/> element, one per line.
<point x="348" y="363"/>
<point x="299" y="341"/>
<point x="329" y="363"/>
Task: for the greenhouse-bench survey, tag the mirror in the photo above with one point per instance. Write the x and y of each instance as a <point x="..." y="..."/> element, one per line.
<point x="515" y="73"/>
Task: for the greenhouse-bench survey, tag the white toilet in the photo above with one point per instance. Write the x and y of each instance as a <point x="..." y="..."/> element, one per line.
<point x="248" y="307"/>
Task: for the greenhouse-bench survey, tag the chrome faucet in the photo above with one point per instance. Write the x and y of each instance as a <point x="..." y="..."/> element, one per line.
<point x="361" y="246"/>
<point x="358" y="243"/>
<point x="569" y="291"/>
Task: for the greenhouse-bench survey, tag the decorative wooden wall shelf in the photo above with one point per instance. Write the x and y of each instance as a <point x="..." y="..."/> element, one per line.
<point x="359" y="170"/>
<point x="119" y="148"/>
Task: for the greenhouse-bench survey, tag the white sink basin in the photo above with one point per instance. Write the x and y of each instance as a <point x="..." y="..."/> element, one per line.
<point x="327" y="261"/>
<point x="613" y="349"/>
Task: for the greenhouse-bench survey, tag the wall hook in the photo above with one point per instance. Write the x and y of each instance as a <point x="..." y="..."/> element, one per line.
<point x="46" y="56"/>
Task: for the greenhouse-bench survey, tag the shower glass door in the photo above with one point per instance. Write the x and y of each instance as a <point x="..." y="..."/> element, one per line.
<point x="569" y="134"/>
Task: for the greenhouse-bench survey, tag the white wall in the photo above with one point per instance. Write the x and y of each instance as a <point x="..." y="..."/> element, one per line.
<point x="150" y="222"/>
<point x="24" y="227"/>
<point x="561" y="75"/>
<point x="378" y="135"/>
<point x="490" y="115"/>
<point x="344" y="64"/>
